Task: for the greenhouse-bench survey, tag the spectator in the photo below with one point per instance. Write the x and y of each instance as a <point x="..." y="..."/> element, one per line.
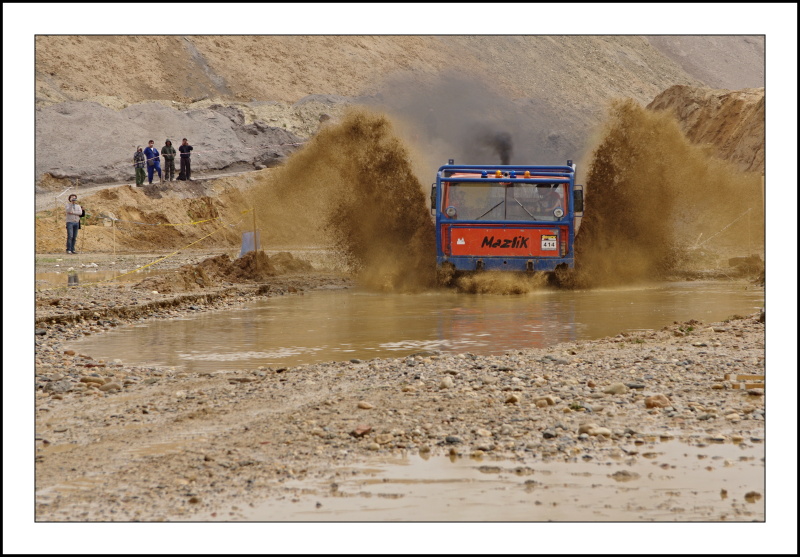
<point x="186" y="164"/>
<point x="138" y="164"/>
<point x="168" y="152"/>
<point x="74" y="214"/>
<point x="153" y="162"/>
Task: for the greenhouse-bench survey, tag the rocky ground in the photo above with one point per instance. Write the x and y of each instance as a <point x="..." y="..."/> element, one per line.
<point x="119" y="443"/>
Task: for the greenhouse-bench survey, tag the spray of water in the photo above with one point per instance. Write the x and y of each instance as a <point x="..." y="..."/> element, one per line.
<point x="652" y="199"/>
<point x="353" y="187"/>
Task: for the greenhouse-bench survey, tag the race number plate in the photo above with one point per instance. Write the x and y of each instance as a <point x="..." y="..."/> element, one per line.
<point x="549" y="242"/>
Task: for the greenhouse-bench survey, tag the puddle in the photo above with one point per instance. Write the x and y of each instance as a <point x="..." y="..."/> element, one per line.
<point x="84" y="277"/>
<point x="345" y="324"/>
<point x="672" y="485"/>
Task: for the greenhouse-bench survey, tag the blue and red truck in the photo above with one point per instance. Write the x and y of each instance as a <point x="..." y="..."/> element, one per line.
<point x="505" y="218"/>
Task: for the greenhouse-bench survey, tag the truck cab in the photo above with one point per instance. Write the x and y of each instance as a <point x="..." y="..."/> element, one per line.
<point x="505" y="217"/>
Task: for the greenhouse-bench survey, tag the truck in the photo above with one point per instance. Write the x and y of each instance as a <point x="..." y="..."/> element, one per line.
<point x="518" y="218"/>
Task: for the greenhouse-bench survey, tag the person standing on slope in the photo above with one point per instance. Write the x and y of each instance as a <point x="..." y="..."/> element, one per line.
<point x="168" y="152"/>
<point x="139" y="164"/>
<point x="153" y="162"/>
<point x="186" y="163"/>
<point x="74" y="214"/>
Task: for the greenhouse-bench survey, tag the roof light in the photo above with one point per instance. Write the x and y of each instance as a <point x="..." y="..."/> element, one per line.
<point x="483" y="174"/>
<point x="527" y="173"/>
<point x="513" y="174"/>
<point x="498" y="174"/>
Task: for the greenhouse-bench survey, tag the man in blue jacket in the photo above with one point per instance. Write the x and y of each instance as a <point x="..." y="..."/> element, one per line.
<point x="153" y="161"/>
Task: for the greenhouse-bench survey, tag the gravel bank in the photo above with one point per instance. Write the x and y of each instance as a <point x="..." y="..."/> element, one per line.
<point x="122" y="443"/>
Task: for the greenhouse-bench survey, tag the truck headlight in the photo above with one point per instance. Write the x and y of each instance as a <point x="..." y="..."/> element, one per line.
<point x="558" y="213"/>
<point x="450" y="211"/>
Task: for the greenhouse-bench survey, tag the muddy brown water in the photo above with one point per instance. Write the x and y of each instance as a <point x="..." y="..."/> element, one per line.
<point x="87" y="277"/>
<point x="656" y="481"/>
<point x="349" y="324"/>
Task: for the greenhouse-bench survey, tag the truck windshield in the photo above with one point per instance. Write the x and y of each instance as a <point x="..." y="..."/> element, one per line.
<point x="504" y="201"/>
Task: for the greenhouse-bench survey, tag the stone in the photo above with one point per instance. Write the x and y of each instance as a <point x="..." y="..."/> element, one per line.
<point x="446" y="383"/>
<point x="541" y="403"/>
<point x="90" y="379"/>
<point x="58" y="387"/>
<point x="624" y="475"/>
<point x="364" y="405"/>
<point x="373" y="446"/>
<point x="483" y="433"/>
<point x="587" y="428"/>
<point x="384" y="438"/>
<point x="513" y="399"/>
<point x="604" y="431"/>
<point x="361" y="430"/>
<point x="453" y="439"/>
<point x="108" y="387"/>
<point x="657" y="401"/>
<point x="549" y="434"/>
<point x="616" y="389"/>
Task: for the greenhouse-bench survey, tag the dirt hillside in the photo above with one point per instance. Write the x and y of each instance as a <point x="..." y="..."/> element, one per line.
<point x="111" y="93"/>
<point x="730" y="122"/>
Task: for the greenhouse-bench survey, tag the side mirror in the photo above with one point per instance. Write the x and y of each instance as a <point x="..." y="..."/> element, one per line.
<point x="578" y="196"/>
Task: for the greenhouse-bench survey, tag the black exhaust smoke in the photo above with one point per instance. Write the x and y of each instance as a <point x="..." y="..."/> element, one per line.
<point x="501" y="143"/>
<point x="483" y="142"/>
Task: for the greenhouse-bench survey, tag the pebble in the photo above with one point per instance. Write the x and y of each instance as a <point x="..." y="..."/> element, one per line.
<point x="364" y="405"/>
<point x="657" y="401"/>
<point x="512" y="399"/>
<point x="361" y="430"/>
<point x="616" y="389"/>
<point x="446" y="383"/>
<point x="624" y="475"/>
<point x="108" y="387"/>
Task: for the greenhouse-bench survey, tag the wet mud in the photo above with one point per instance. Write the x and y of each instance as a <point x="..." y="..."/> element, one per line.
<point x="353" y="187"/>
<point x="656" y="203"/>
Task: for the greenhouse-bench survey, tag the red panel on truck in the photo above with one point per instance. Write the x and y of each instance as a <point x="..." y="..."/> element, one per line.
<point x="504" y="242"/>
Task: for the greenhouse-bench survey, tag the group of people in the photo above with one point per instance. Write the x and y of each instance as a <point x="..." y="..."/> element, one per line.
<point x="151" y="159"/>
